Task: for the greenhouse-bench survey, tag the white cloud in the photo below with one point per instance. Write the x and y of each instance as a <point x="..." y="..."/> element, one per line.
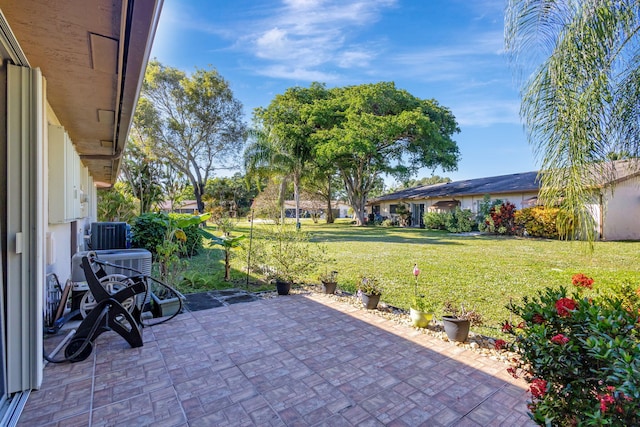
<point x="305" y="36"/>
<point x="487" y="112"/>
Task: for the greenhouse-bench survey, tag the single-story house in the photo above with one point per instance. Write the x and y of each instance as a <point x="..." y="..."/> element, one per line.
<point x="70" y="79"/>
<point x="340" y="209"/>
<point x="185" y="206"/>
<point x="616" y="206"/>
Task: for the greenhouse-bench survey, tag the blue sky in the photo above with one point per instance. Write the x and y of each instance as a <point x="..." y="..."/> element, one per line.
<point x="448" y="50"/>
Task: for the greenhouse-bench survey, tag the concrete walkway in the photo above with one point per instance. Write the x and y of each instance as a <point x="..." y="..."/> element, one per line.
<point x="296" y="360"/>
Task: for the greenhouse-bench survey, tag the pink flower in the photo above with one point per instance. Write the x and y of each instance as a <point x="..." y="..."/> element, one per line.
<point x="564" y="306"/>
<point x="499" y="344"/>
<point x="605" y="401"/>
<point x="538" y="388"/>
<point x="507" y="327"/>
<point x="559" y="339"/>
<point x="416" y="270"/>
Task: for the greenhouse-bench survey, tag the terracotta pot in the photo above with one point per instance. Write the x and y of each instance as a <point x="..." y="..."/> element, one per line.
<point x="456" y="329"/>
<point x="370" y="301"/>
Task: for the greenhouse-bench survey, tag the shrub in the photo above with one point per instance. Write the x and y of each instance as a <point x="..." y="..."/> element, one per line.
<point x="501" y="219"/>
<point x="387" y="223"/>
<point x="580" y="354"/>
<point x="460" y="221"/>
<point x="149" y="231"/>
<point x="435" y="220"/>
<point x="537" y="222"/>
<point x="483" y="218"/>
<point x="282" y="251"/>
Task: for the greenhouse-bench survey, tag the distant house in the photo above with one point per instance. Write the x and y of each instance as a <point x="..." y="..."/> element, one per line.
<point x="185" y="206"/>
<point x="309" y="207"/>
<point x="616" y="210"/>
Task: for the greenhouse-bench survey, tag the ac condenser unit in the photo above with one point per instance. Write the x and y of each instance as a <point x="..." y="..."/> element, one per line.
<point x="109" y="235"/>
<point x="136" y="259"/>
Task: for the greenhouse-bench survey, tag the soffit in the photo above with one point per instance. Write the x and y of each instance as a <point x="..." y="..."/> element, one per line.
<point x="93" y="57"/>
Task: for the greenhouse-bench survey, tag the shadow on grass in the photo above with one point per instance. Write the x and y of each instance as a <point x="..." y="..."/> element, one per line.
<point x="385" y="235"/>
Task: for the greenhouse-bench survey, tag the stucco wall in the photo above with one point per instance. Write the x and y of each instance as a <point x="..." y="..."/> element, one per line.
<point x="622" y="211"/>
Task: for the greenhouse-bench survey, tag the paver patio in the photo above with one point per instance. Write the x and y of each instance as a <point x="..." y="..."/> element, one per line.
<point x="294" y="360"/>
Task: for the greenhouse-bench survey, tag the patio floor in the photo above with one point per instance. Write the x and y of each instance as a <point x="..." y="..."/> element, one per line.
<point x="294" y="360"/>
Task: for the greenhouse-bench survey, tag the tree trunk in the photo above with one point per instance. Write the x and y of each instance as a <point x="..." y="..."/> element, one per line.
<point x="329" y="215"/>
<point x="296" y="196"/>
<point x="227" y="265"/>
<point x="283" y="187"/>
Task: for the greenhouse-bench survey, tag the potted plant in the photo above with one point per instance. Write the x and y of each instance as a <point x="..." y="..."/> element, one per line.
<point x="369" y="291"/>
<point x="282" y="282"/>
<point x="421" y="311"/>
<point x="329" y="282"/>
<point x="165" y="301"/>
<point x="457" y="322"/>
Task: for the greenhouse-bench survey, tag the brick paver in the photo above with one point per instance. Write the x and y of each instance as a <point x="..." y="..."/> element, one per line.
<point x="293" y="360"/>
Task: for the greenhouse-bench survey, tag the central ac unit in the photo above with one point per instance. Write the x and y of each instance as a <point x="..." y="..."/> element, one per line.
<point x="130" y="262"/>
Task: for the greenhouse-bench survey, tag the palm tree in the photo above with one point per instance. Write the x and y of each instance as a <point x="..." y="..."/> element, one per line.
<point x="583" y="101"/>
<point x="264" y="156"/>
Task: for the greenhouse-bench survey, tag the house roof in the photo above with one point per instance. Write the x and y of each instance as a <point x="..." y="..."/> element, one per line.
<point x="515" y="183"/>
<point x="93" y="54"/>
<point x="604" y="175"/>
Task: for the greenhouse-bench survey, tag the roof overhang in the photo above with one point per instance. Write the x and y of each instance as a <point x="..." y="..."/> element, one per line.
<point x="93" y="54"/>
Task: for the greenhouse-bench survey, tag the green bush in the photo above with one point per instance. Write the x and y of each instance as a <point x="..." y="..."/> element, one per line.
<point x="435" y="220"/>
<point x="483" y="219"/>
<point x="537" y="222"/>
<point x="149" y="231"/>
<point x="284" y="252"/>
<point x="580" y="354"/>
<point x="460" y="221"/>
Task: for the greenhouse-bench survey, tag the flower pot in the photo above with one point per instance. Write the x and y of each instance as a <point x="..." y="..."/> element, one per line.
<point x="419" y="318"/>
<point x="370" y="301"/>
<point x="163" y="307"/>
<point x="283" y="287"/>
<point x="329" y="287"/>
<point x="456" y="329"/>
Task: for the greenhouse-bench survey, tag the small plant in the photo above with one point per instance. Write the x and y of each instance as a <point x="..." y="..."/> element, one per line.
<point x="329" y="277"/>
<point x="580" y="352"/>
<point x="370" y="285"/>
<point x="423" y="304"/>
<point x="474" y="318"/>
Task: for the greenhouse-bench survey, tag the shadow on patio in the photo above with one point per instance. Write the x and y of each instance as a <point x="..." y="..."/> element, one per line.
<point x="295" y="360"/>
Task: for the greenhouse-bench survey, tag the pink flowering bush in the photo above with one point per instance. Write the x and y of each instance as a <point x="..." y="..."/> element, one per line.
<point x="580" y="354"/>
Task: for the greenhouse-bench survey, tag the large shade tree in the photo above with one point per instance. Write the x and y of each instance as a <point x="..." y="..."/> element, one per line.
<point x="142" y="168"/>
<point x="581" y="94"/>
<point x="372" y="130"/>
<point x="197" y="124"/>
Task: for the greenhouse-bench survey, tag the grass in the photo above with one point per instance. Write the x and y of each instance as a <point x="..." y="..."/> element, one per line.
<point x="483" y="272"/>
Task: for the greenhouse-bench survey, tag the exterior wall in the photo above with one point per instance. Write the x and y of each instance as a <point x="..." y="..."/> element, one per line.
<point x="471" y="202"/>
<point x="66" y="239"/>
<point x="622" y="211"/>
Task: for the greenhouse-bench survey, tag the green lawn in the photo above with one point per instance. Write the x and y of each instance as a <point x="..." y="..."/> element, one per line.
<point x="484" y="272"/>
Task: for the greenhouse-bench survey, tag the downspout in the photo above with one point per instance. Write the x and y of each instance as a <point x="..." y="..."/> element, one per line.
<point x="601" y="219"/>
